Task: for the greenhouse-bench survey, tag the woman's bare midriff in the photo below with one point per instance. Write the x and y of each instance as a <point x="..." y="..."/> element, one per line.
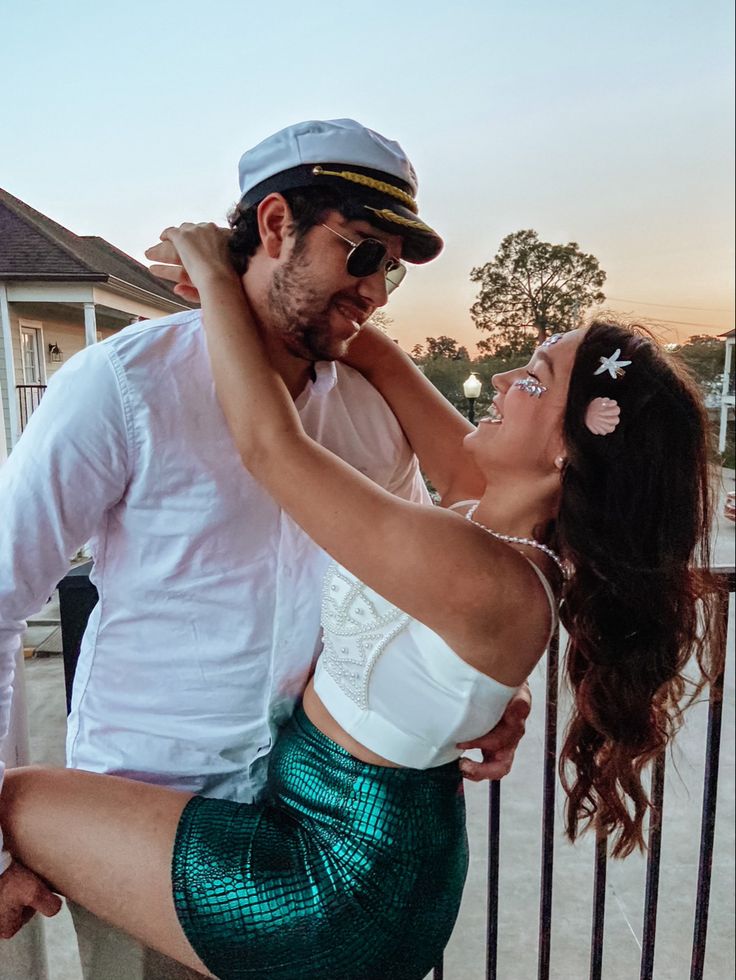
<point x="322" y="719"/>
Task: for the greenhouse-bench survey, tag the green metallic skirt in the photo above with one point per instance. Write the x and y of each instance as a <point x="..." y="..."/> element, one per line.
<point x="347" y="871"/>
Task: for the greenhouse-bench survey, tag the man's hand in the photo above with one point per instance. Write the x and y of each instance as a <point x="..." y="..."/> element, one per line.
<point x="22" y="894"/>
<point x="499" y="745"/>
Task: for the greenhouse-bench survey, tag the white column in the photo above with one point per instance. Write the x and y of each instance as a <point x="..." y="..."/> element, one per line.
<point x="724" y="396"/>
<point x="3" y="440"/>
<point x="24" y="956"/>
<point x="90" y="325"/>
<point x="13" y="419"/>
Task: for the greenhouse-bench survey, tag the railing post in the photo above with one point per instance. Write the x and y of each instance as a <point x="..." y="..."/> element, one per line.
<point x="710" y="793"/>
<point x="548" y="809"/>
<point x="651" y="893"/>
<point x="494" y="834"/>
<point x="24" y="956"/>
<point x="599" y="905"/>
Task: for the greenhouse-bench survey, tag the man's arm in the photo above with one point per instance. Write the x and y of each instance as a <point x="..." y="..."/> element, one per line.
<point x="69" y="467"/>
<point x="500" y="744"/>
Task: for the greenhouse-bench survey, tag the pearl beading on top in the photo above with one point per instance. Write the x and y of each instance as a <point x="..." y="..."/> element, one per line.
<point x="355" y="632"/>
<point x="513" y="539"/>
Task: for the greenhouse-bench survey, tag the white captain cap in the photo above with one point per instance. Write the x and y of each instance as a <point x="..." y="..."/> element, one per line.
<point x="343" y="154"/>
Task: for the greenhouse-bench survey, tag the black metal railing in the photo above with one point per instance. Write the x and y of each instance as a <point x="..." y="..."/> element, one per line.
<point x="707" y="834"/>
<point x="29" y="397"/>
<point x="78" y="597"/>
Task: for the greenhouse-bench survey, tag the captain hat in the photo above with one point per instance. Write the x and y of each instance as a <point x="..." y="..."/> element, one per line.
<point x="341" y="153"/>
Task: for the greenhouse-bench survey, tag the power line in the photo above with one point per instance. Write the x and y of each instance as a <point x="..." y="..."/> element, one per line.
<point x="670" y="306"/>
<point x="685" y="323"/>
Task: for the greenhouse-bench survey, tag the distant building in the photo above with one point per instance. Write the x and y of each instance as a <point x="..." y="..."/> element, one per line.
<point x="59" y="292"/>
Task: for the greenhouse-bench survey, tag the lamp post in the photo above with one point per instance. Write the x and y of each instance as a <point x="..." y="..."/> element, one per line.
<point x="471" y="390"/>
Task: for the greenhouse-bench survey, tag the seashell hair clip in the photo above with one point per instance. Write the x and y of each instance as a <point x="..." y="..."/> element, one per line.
<point x="602" y="416"/>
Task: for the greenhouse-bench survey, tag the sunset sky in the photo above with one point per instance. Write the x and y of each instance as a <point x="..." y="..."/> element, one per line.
<point x="606" y="123"/>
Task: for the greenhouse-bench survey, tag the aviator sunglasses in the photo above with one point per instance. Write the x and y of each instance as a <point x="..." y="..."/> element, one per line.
<point x="366" y="257"/>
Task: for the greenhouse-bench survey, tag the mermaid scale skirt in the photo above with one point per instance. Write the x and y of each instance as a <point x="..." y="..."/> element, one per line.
<point x="347" y="872"/>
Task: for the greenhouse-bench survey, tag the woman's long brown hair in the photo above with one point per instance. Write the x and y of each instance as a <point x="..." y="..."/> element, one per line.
<point x="635" y="524"/>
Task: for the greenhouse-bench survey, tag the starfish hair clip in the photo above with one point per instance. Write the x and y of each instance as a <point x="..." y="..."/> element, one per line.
<point x="613" y="365"/>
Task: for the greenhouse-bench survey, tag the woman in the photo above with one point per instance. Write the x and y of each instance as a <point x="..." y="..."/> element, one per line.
<point x="595" y="471"/>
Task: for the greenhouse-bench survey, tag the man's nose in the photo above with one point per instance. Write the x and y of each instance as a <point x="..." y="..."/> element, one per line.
<point x="372" y="289"/>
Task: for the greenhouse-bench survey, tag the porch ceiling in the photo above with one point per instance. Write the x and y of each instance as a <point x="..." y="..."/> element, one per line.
<point x="72" y="313"/>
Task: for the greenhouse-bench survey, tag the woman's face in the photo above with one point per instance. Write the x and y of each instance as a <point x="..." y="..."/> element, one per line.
<point x="525" y="436"/>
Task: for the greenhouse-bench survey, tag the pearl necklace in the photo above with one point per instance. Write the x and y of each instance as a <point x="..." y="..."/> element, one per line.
<point x="512" y="539"/>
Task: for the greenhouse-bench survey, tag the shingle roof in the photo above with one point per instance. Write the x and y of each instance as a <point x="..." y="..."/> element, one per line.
<point x="32" y="246"/>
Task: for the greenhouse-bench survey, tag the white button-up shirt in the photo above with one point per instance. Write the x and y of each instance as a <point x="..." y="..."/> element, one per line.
<point x="207" y="624"/>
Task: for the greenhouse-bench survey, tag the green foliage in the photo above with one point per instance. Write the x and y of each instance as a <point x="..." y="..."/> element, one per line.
<point x="382" y="320"/>
<point x="532" y="289"/>
<point x="447" y="365"/>
<point x="705" y="357"/>
<point x="440" y="347"/>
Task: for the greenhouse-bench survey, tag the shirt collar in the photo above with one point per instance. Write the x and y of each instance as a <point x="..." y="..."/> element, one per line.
<point x="325" y="377"/>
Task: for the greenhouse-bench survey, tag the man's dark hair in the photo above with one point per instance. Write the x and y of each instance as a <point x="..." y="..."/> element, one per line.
<point x="308" y="205"/>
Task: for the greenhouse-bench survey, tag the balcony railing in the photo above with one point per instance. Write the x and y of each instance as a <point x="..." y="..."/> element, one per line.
<point x="78" y="597"/>
<point x="657" y="816"/>
<point x="29" y="397"/>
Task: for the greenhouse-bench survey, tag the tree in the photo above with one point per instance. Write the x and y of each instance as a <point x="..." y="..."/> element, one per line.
<point x="382" y="320"/>
<point x="446" y="364"/>
<point x="507" y="356"/>
<point x="532" y="289"/>
<point x="445" y="347"/>
<point x="704" y="356"/>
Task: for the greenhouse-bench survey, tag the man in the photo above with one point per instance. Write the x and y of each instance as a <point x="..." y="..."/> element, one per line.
<point x="208" y="619"/>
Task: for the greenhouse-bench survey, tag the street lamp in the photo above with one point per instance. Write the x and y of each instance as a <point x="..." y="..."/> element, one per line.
<point x="471" y="390"/>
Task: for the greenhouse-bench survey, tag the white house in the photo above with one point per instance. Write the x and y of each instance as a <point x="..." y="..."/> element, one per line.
<point x="58" y="293"/>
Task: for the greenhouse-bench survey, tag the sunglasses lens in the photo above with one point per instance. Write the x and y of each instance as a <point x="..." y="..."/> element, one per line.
<point x="395" y="277"/>
<point x="366" y="258"/>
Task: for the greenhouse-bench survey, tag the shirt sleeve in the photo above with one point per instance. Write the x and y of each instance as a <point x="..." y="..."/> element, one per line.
<point x="69" y="467"/>
<point x="407" y="480"/>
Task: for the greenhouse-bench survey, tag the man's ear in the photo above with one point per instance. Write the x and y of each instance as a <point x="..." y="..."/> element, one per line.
<point x="274" y="224"/>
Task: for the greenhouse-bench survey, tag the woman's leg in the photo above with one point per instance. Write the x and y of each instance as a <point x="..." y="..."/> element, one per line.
<point x="103" y="842"/>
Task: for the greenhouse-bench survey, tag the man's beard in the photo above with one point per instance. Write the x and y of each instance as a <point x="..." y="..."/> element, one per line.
<point x="299" y="312"/>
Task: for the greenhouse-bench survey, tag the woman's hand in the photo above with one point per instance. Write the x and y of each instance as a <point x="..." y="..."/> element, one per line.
<point x="192" y="256"/>
<point x="22" y="894"/>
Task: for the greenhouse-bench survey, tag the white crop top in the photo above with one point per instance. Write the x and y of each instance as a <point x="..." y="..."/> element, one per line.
<point x="393" y="684"/>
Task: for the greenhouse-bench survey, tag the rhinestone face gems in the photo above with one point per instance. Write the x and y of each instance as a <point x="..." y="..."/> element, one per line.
<point x="550" y="341"/>
<point x="531" y="386"/>
<point x="602" y="416"/>
<point x="613" y="365"/>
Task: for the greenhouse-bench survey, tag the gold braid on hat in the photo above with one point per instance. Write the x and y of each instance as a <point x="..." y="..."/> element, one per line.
<point x="398" y="219"/>
<point x="377" y="185"/>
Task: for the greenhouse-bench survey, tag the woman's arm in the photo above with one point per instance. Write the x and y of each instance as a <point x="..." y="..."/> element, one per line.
<point x="434" y="428"/>
<point x="417" y="557"/>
